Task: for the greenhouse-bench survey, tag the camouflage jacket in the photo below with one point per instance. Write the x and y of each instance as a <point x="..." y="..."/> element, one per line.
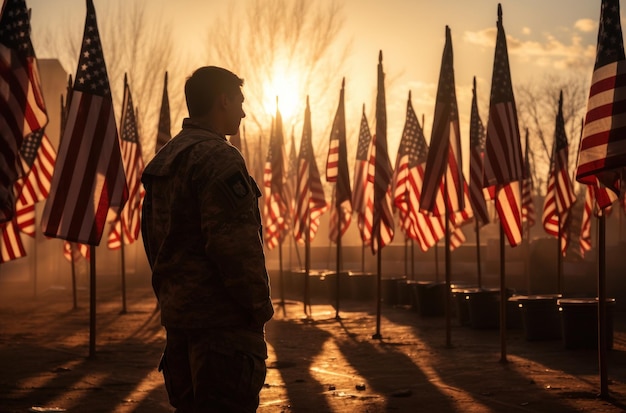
<point x="201" y="234"/>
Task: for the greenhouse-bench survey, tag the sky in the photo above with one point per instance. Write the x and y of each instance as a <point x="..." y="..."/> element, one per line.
<point x="545" y="38"/>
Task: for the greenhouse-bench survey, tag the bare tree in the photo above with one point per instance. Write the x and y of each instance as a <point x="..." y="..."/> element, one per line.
<point x="282" y="36"/>
<point x="537" y="107"/>
<point x="134" y="43"/>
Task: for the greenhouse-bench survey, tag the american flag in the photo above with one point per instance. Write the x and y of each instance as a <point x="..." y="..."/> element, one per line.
<point x="164" y="133"/>
<point x="275" y="207"/>
<point x="457" y="238"/>
<point x="89" y="178"/>
<point x="560" y="194"/>
<point x="509" y="209"/>
<point x="408" y="177"/>
<point x="361" y="203"/>
<point x="445" y="135"/>
<point x="528" y="204"/>
<point x="310" y="202"/>
<point x="382" y="224"/>
<point x="594" y="196"/>
<point x="602" y="153"/>
<point x="449" y="196"/>
<point x="291" y="179"/>
<point x="337" y="171"/>
<point x="366" y="219"/>
<point x="477" y="153"/>
<point x="130" y="219"/>
<point x="36" y="152"/>
<point x="74" y="252"/>
<point x="40" y="155"/>
<point x="462" y="216"/>
<point x="22" y="109"/>
<point x="11" y="247"/>
<point x="585" y="227"/>
<point x="503" y="160"/>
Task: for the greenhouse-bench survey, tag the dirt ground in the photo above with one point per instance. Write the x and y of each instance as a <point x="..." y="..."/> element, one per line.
<point x="316" y="364"/>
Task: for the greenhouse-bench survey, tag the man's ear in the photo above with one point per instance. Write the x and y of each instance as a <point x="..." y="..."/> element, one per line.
<point x="224" y="101"/>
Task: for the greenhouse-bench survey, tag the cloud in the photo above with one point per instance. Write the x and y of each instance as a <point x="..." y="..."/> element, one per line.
<point x="585" y="25"/>
<point x="526" y="30"/>
<point x="548" y="52"/>
<point x="485" y="37"/>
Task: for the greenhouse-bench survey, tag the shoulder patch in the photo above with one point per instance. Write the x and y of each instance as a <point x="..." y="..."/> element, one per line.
<point x="238" y="185"/>
<point x="235" y="188"/>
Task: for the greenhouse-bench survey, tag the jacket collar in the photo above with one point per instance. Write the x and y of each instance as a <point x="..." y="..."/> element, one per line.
<point x="195" y="123"/>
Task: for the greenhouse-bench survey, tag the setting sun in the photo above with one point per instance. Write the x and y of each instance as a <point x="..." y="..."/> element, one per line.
<point x="285" y="85"/>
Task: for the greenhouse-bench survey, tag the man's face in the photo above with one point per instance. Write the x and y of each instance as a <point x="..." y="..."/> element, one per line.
<point x="234" y="113"/>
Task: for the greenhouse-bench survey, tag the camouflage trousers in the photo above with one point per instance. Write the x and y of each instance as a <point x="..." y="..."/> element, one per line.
<point x="206" y="374"/>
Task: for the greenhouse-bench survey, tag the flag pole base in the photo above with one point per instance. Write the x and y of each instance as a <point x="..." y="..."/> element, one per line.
<point x="377" y="336"/>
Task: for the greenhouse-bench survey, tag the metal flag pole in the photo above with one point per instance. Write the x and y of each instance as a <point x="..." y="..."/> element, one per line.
<point x="559" y="257"/>
<point x="447" y="305"/>
<point x="92" y="301"/>
<point x="602" y="327"/>
<point x="377" y="335"/>
<point x="280" y="275"/>
<point x="437" y="261"/>
<point x="480" y="277"/>
<point x="74" y="295"/>
<point x="281" y="281"/>
<point x="307" y="268"/>
<point x="337" y="273"/>
<point x="503" y="298"/>
<point x="406" y="255"/>
<point x="412" y="259"/>
<point x="362" y="256"/>
<point x="123" y="268"/>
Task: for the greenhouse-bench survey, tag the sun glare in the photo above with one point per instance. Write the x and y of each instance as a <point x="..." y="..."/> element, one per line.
<point x="286" y="87"/>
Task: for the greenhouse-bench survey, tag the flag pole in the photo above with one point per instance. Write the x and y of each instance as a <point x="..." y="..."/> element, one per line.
<point x="602" y="327"/>
<point x="119" y="217"/>
<point x="92" y="302"/>
<point x="480" y="283"/>
<point x="74" y="297"/>
<point x="282" y="286"/>
<point x="503" y="298"/>
<point x="412" y="259"/>
<point x="362" y="256"/>
<point x="123" y="269"/>
<point x="437" y="261"/>
<point x="406" y="255"/>
<point x="282" y="292"/>
<point x="337" y="317"/>
<point x="620" y="214"/>
<point x="559" y="258"/>
<point x="289" y="253"/>
<point x="35" y="266"/>
<point x="527" y="256"/>
<point x="526" y="228"/>
<point x="280" y="273"/>
<point x="447" y="263"/>
<point x="377" y="335"/>
<point x="307" y="268"/>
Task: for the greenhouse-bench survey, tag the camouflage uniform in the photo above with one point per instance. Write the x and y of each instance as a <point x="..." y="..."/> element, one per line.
<point x="201" y="231"/>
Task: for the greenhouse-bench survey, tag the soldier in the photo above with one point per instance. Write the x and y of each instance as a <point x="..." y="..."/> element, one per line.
<point x="201" y="231"/>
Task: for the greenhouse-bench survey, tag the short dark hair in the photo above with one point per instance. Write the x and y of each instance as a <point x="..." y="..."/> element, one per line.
<point x="206" y="84"/>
